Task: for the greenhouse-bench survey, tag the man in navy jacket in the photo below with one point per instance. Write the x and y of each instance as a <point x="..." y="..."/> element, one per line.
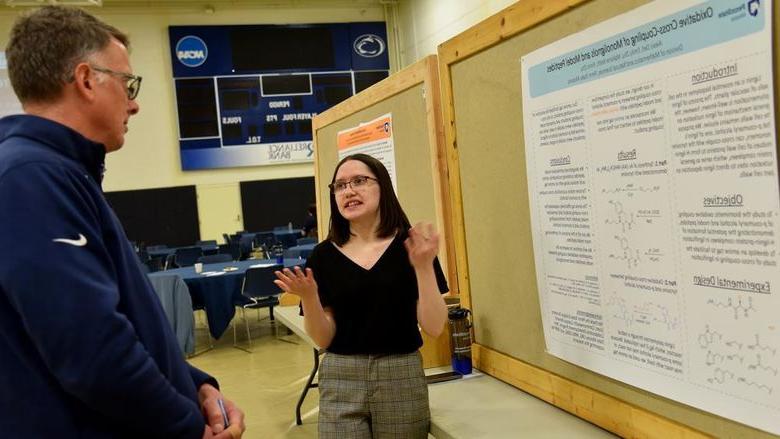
<point x="85" y="349"/>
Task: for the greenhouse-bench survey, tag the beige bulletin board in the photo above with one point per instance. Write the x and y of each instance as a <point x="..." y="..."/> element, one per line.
<point x="412" y="97"/>
<point x="480" y="73"/>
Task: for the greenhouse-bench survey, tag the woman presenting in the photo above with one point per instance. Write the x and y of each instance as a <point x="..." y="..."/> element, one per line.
<point x="364" y="291"/>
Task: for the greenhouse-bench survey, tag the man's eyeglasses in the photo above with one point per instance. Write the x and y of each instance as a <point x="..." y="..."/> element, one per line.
<point x="356" y="183"/>
<point x="133" y="85"/>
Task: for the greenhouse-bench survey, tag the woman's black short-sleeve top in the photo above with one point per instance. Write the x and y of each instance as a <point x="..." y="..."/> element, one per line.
<point x="376" y="309"/>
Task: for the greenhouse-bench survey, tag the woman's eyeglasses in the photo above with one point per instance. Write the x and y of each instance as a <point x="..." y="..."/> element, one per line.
<point x="356" y="183"/>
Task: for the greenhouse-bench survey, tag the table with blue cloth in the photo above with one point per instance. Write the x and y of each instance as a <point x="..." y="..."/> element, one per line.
<point x="217" y="294"/>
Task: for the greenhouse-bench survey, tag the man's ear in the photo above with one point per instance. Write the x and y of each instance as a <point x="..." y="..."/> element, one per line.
<point x="84" y="81"/>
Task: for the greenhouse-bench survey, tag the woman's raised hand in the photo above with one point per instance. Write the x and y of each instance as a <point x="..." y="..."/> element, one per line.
<point x="297" y="282"/>
<point x="422" y="245"/>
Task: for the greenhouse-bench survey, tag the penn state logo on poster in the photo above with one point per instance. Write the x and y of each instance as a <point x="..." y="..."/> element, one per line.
<point x="753" y="7"/>
<point x="369" y="45"/>
<point x="191" y="51"/>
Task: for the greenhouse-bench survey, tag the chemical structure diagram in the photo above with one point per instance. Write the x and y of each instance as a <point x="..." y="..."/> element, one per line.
<point x="721" y="376"/>
<point x="633" y="256"/>
<point x="630" y="225"/>
<point x="624" y="219"/>
<point x="646" y="314"/>
<point x="630" y="189"/>
<point x="718" y="358"/>
<point x="628" y="220"/>
<point x="745" y="363"/>
<point x="742" y="308"/>
<point x="629" y="255"/>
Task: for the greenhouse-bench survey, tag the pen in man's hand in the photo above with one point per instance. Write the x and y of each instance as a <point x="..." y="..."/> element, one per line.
<point x="221" y="405"/>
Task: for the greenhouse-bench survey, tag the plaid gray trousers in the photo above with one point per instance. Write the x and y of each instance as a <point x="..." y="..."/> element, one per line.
<point x="373" y="396"/>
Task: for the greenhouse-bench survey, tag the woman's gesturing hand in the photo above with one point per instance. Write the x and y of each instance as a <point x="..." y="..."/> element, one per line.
<point x="422" y="245"/>
<point x="297" y="282"/>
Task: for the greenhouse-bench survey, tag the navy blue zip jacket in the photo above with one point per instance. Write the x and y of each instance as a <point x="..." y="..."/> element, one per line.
<point x="85" y="348"/>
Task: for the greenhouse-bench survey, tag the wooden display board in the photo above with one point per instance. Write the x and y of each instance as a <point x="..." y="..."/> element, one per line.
<point x="483" y="114"/>
<point x="412" y="97"/>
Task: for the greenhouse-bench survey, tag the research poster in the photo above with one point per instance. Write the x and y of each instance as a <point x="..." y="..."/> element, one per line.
<point x="653" y="177"/>
<point x="374" y="138"/>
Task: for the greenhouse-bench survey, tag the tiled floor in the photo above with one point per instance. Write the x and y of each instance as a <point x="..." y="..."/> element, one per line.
<point x="265" y="383"/>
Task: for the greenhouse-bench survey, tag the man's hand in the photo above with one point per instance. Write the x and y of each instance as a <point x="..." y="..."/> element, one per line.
<point x="208" y="396"/>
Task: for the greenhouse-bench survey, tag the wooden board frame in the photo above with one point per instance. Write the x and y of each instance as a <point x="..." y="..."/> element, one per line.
<point x="610" y="413"/>
<point x="426" y="72"/>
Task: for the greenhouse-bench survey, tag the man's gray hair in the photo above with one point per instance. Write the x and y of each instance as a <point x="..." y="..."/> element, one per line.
<point x="45" y="46"/>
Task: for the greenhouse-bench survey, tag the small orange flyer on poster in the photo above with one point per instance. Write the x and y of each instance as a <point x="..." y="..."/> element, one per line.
<point x="374" y="138"/>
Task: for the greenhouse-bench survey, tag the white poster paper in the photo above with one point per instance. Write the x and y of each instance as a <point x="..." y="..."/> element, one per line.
<point x="652" y="168"/>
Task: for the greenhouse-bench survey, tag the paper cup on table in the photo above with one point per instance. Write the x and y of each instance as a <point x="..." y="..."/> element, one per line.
<point x="198" y="267"/>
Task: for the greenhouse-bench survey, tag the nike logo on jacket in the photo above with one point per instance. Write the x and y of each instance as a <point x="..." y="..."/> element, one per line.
<point x="81" y="242"/>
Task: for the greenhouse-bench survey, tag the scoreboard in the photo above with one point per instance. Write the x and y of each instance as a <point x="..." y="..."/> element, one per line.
<point x="245" y="95"/>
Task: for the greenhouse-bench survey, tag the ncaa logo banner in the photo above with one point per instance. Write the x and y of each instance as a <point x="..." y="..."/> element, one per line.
<point x="191" y="51"/>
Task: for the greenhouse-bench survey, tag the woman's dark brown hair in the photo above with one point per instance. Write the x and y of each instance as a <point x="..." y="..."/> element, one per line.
<point x="392" y="218"/>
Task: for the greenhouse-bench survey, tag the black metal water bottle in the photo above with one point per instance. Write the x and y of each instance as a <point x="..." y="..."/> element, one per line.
<point x="460" y="340"/>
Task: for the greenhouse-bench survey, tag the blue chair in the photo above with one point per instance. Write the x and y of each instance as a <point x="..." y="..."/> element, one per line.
<point x="169" y="261"/>
<point x="304" y="241"/>
<point x="246" y="245"/>
<point x="199" y="305"/>
<point x="215" y="259"/>
<point x="209" y="246"/>
<point x="186" y="256"/>
<point x="156" y="247"/>
<point x="230" y="249"/>
<point x="233" y="250"/>
<point x="155" y="264"/>
<point x="265" y="239"/>
<point x="288" y="239"/>
<point x="143" y="255"/>
<point x="142" y="262"/>
<point x="298" y="252"/>
<point x="257" y="291"/>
